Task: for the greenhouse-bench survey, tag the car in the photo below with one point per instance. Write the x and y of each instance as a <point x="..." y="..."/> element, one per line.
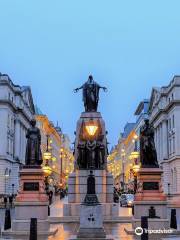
<point x="126" y="200"/>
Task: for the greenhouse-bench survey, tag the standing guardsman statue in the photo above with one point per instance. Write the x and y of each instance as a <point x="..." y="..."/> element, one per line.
<point x="90" y="94"/>
<point x="148" y="155"/>
<point x="33" y="147"/>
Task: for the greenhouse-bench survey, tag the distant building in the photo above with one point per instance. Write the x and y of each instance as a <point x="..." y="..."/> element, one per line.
<point x="126" y="153"/>
<point x="119" y="161"/>
<point x="57" y="141"/>
<point x="141" y="113"/>
<point x="16" y="111"/>
<point x="165" y="117"/>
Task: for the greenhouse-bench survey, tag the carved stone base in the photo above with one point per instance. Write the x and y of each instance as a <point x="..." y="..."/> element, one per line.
<point x="31" y="201"/>
<point x="78" y="189"/>
<point x="150" y="199"/>
<point x="91" y="222"/>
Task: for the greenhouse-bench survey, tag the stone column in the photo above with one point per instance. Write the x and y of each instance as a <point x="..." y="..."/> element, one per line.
<point x="164" y="140"/>
<point x="157" y="148"/>
<point x="17" y="138"/>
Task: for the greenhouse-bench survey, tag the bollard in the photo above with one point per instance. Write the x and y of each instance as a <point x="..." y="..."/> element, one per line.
<point x="33" y="229"/>
<point x="49" y="210"/>
<point x="133" y="210"/>
<point x="173" y="223"/>
<point x="144" y="225"/>
<point x="7" y="222"/>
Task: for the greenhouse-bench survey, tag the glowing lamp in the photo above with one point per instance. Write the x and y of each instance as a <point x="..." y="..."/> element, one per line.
<point x="91" y="129"/>
<point x="136" y="168"/>
<point x="54" y="159"/>
<point x="47" y="155"/>
<point x="61" y="150"/>
<point x="47" y="170"/>
<point x="134" y="155"/>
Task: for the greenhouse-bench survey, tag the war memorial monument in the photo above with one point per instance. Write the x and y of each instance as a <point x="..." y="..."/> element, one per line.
<point x="90" y="155"/>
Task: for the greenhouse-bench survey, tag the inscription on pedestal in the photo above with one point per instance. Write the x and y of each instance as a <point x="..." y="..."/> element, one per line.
<point x="31" y="186"/>
<point x="150" y="186"/>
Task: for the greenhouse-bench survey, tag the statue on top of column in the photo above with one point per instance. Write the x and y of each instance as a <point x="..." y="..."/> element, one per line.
<point x="148" y="155"/>
<point x="90" y="94"/>
<point x="33" y="147"/>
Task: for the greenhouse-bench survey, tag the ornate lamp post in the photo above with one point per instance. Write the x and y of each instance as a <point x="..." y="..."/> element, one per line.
<point x="61" y="162"/>
<point x="46" y="168"/>
<point x="136" y="168"/>
<point x="123" y="162"/>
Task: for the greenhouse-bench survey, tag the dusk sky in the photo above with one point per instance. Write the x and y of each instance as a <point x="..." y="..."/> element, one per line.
<point x="52" y="46"/>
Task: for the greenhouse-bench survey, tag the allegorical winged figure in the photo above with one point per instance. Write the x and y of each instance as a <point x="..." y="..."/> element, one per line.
<point x="33" y="147"/>
<point x="90" y="94"/>
<point x="148" y="155"/>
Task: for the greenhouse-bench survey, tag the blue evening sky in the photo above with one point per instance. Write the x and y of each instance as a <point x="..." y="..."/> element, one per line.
<point x="128" y="46"/>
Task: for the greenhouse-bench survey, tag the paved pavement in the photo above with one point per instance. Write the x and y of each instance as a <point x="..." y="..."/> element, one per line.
<point x="68" y="229"/>
<point x="57" y="208"/>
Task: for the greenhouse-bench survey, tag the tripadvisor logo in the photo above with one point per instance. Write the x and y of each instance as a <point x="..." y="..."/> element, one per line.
<point x="139" y="231"/>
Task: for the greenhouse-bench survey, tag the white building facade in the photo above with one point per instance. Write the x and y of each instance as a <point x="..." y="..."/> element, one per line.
<point x="16" y="112"/>
<point x="165" y="116"/>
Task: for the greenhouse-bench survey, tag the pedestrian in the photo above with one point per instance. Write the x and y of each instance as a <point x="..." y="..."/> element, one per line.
<point x="11" y="200"/>
<point x="50" y="197"/>
<point x="5" y="201"/>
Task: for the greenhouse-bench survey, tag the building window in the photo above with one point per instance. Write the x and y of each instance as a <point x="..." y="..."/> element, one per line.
<point x="171" y="184"/>
<point x="173" y="144"/>
<point x="175" y="180"/>
<point x="8" y="121"/>
<point x="169" y="123"/>
<point x="173" y="121"/>
<point x="170" y="146"/>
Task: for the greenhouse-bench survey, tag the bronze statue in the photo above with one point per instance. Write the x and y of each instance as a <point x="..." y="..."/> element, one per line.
<point x="81" y="161"/>
<point x="100" y="155"/>
<point x="91" y="154"/>
<point x="90" y="94"/>
<point x="91" y="197"/>
<point x="33" y="147"/>
<point x="148" y="155"/>
<point x="91" y="184"/>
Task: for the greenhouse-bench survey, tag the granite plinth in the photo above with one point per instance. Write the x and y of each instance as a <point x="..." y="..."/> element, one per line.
<point x="150" y="195"/>
<point x="78" y="189"/>
<point x="31" y="201"/>
<point x="91" y="222"/>
<point x="78" y="186"/>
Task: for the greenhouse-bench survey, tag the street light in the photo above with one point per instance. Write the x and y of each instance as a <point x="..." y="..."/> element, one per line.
<point x="136" y="168"/>
<point x="46" y="168"/>
<point x="91" y="128"/>
<point x="123" y="162"/>
<point x="47" y="154"/>
<point x="61" y="162"/>
<point x="134" y="155"/>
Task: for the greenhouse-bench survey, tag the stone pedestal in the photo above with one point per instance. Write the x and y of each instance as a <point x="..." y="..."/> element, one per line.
<point x="78" y="189"/>
<point x="91" y="222"/>
<point x="150" y="195"/>
<point x="174" y="203"/>
<point x="31" y="201"/>
<point x="78" y="179"/>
